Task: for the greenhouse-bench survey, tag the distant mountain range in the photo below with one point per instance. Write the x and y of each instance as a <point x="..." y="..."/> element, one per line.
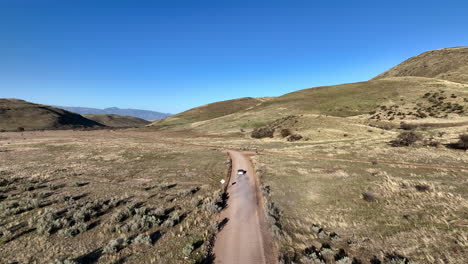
<point x="143" y="114"/>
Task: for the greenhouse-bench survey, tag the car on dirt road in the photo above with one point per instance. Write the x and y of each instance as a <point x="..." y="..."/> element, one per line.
<point x="241" y="172"/>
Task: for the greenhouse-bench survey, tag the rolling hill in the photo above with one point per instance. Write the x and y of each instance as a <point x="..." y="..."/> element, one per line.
<point x="209" y="111"/>
<point x="15" y="113"/>
<point x="118" y="120"/>
<point x="431" y="86"/>
<point x="446" y="64"/>
<point x="143" y="114"/>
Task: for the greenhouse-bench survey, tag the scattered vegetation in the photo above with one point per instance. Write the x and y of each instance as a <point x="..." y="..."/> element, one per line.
<point x="67" y="204"/>
<point x="405" y="139"/>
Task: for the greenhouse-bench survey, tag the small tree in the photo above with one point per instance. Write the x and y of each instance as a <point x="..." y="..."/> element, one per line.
<point x="20" y="129"/>
<point x="406" y="139"/>
<point x="262" y="132"/>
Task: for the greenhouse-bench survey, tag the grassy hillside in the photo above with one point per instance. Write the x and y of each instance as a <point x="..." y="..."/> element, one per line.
<point x="16" y="114"/>
<point x="351" y="103"/>
<point x="118" y="120"/>
<point x="207" y="112"/>
<point x="401" y="93"/>
<point x="446" y="64"/>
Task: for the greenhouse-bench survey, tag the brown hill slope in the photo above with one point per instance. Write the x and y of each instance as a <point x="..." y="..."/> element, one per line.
<point x="117" y="120"/>
<point x="209" y="111"/>
<point x="355" y="100"/>
<point x="16" y="114"/>
<point x="447" y="64"/>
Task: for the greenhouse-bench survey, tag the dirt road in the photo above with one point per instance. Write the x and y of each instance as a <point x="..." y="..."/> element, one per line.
<point x="245" y="237"/>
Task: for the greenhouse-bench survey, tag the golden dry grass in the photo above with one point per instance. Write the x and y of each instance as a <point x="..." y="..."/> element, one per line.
<point x="67" y="170"/>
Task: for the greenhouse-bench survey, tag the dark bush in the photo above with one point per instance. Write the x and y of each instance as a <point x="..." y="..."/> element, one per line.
<point x="285" y="132"/>
<point x="369" y="196"/>
<point x="406" y="139"/>
<point x="463" y="142"/>
<point x="406" y="126"/>
<point x="20" y="129"/>
<point x="262" y="132"/>
<point x="422" y="187"/>
<point x="294" y="137"/>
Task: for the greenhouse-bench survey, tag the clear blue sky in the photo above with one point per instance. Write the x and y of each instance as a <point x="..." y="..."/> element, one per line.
<point x="173" y="55"/>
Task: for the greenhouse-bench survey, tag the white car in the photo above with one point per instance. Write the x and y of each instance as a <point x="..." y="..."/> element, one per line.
<point x="241" y="172"/>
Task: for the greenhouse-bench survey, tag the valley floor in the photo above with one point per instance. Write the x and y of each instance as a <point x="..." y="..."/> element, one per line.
<point x="341" y="200"/>
<point x="106" y="197"/>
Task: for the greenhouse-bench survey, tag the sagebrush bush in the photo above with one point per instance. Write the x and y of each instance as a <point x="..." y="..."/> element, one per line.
<point x="214" y="204"/>
<point x="188" y="249"/>
<point x="262" y="132"/>
<point x="115" y="245"/>
<point x="143" y="239"/>
<point x="406" y="139"/>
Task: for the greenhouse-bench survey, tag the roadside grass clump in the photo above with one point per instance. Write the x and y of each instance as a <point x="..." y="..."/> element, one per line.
<point x="273" y="215"/>
<point x="188" y="249"/>
<point x="406" y="139"/>
<point x="215" y="203"/>
<point x="262" y="132"/>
